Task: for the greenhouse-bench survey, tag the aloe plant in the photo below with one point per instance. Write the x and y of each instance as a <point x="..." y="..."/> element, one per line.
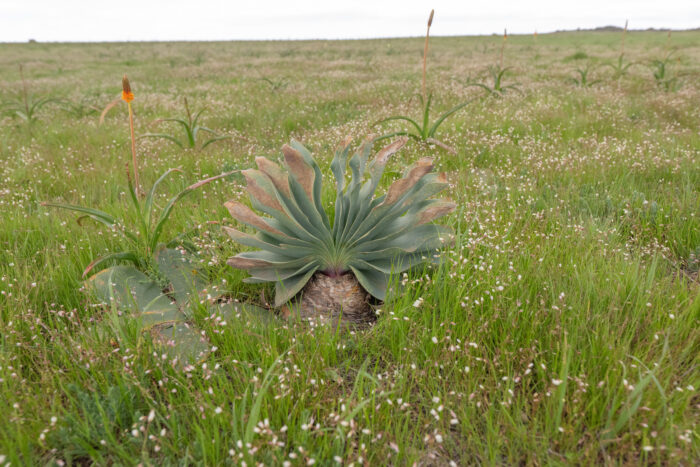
<point x="582" y="80"/>
<point x="192" y="128"/>
<point x="664" y="76"/>
<point x="161" y="286"/>
<point x="620" y="67"/>
<point x="165" y="305"/>
<point x="276" y="84"/>
<point x="143" y="237"/>
<point x="24" y="104"/>
<point x="497" y="88"/>
<point x="79" y="109"/>
<point x="167" y="317"/>
<point x="425" y="130"/>
<point x="370" y="237"/>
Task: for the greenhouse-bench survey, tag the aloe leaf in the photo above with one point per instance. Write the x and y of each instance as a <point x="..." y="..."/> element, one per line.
<point x="288" y="288"/>
<point x="363" y="199"/>
<point x="191" y="134"/>
<point x="196" y="117"/>
<point x="186" y="279"/>
<point x="397" y="133"/>
<point x="279" y="274"/>
<point x="182" y="122"/>
<point x="151" y="193"/>
<point x="372" y="281"/>
<point x="214" y="140"/>
<point x="95" y="214"/>
<point x="318" y="181"/>
<point x="383" y="214"/>
<point x="419" y="238"/>
<point x="376" y="167"/>
<point x="120" y="256"/>
<point x="160" y="317"/>
<point x="164" y="136"/>
<point x="396" y="261"/>
<point x="300" y="168"/>
<point x="444" y="116"/>
<point x="265" y="259"/>
<point x="426" y="118"/>
<point x="209" y="130"/>
<point x="165" y="213"/>
<point x="406" y="119"/>
<point x="304" y="210"/>
<point x="265" y="197"/>
<point x="128" y="288"/>
<point x="338" y="167"/>
<point x="358" y="162"/>
<point x="292" y="251"/>
<point x="245" y="215"/>
<point x="359" y="207"/>
<point x="356" y="206"/>
<point x="181" y="341"/>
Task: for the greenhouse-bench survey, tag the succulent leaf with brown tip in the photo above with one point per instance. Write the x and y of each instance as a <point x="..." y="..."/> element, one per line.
<point x="370" y="237"/>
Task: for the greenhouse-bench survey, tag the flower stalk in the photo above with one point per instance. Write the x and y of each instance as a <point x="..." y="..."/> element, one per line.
<point x="503" y="45"/>
<point x="624" y="34"/>
<point x="425" y="51"/>
<point x="128" y="96"/>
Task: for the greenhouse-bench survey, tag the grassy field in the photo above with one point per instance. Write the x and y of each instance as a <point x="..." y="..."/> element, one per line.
<point x="561" y="328"/>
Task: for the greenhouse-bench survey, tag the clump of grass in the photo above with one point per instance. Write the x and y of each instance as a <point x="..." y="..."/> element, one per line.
<point x="579" y="55"/>
<point x="24" y="104"/>
<point x="424" y="131"/>
<point x="192" y="128"/>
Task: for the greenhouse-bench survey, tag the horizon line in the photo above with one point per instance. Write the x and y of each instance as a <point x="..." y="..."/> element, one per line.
<point x="598" y="29"/>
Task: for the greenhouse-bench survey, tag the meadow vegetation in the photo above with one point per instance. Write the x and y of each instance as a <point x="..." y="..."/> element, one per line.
<point x="561" y="327"/>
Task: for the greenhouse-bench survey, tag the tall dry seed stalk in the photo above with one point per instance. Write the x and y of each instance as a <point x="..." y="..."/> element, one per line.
<point x="25" y="91"/>
<point x="503" y="45"/>
<point x="624" y="34"/>
<point x="425" y="51"/>
<point x="128" y="96"/>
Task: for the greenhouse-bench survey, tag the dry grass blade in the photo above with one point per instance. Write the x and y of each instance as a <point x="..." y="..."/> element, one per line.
<point x="108" y="108"/>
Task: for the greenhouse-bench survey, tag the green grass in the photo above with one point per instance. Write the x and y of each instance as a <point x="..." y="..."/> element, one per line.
<point x="562" y="327"/>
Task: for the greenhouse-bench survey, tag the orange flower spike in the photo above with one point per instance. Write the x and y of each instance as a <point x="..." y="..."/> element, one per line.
<point x="127" y="95"/>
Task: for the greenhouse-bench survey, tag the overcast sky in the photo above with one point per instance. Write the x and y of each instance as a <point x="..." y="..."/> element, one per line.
<point x="163" y="20"/>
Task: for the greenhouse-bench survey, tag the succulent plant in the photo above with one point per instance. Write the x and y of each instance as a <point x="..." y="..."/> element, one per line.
<point x="165" y="315"/>
<point x="369" y="237"/>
